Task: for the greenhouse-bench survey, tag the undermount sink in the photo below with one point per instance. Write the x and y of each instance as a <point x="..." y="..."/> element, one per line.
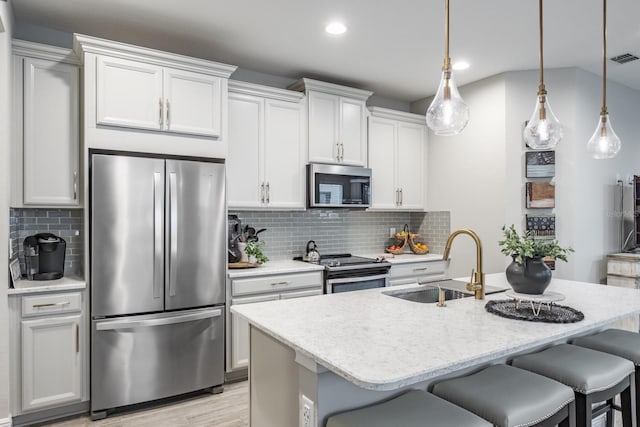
<point x="428" y="292"/>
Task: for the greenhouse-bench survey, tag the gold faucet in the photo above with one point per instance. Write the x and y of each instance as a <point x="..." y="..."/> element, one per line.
<point x="476" y="282"/>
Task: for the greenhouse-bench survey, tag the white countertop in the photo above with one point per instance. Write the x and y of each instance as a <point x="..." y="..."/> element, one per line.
<point x="274" y="267"/>
<point x="66" y="283"/>
<point x="379" y="342"/>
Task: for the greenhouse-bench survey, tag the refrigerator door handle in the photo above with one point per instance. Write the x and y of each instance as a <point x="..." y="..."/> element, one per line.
<point x="173" y="232"/>
<point x="112" y="325"/>
<point x="157" y="235"/>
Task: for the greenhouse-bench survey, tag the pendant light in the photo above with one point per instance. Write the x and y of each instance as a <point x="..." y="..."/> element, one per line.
<point x="604" y="143"/>
<point x="448" y="114"/>
<point x="543" y="131"/>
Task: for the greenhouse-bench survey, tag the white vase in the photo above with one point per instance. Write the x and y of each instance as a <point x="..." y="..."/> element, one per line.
<point x="242" y="246"/>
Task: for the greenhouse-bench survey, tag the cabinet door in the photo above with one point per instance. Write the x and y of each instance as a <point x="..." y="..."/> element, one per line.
<point x="323" y="127"/>
<point x="411" y="165"/>
<point x="193" y="102"/>
<point x="51" y="127"/>
<point x="129" y="93"/>
<point x="382" y="137"/>
<point x="353" y="138"/>
<point x="240" y="332"/>
<point x="284" y="155"/>
<point x="244" y="165"/>
<point x="51" y="362"/>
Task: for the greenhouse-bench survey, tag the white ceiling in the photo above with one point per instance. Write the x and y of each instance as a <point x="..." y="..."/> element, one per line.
<point x="394" y="48"/>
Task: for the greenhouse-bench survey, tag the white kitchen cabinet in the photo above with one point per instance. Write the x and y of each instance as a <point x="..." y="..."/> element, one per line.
<point x="417" y="272"/>
<point x="397" y="158"/>
<point x="149" y="101"/>
<point x="266" y="162"/>
<point x="248" y="290"/>
<point x="337" y="122"/>
<point x="140" y="95"/>
<point x="51" y="362"/>
<point x="45" y="150"/>
<point x="50" y="358"/>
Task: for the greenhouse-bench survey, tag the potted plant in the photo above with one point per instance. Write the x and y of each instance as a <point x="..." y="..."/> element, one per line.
<point x="528" y="273"/>
<point x="254" y="251"/>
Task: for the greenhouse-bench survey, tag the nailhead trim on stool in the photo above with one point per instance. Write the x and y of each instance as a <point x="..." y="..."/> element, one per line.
<point x="594" y="376"/>
<point x="511" y="397"/>
<point x="620" y="343"/>
<point x="415" y="408"/>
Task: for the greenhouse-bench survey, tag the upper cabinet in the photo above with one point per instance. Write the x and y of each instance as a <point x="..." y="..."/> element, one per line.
<point x="139" y="99"/>
<point x="337" y="122"/>
<point x="398" y="159"/>
<point x="267" y="148"/>
<point x="45" y="134"/>
<point x="140" y="95"/>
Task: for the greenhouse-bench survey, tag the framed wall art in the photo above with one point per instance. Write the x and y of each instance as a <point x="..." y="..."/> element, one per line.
<point x="540" y="164"/>
<point x="541" y="195"/>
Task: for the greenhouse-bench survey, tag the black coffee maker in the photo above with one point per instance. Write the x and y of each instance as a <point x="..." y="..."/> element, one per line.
<point x="44" y="256"/>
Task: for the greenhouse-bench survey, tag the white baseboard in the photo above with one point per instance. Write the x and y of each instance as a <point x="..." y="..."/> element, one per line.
<point x="5" y="422"/>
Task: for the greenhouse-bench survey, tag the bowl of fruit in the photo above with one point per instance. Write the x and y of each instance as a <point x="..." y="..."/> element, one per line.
<point x="417" y="248"/>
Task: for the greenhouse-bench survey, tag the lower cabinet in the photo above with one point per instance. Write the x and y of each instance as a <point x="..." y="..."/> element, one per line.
<point x="48" y="351"/>
<point x="417" y="272"/>
<point x="264" y="288"/>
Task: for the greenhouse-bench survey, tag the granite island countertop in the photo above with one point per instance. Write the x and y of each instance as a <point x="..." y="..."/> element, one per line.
<point x="379" y="342"/>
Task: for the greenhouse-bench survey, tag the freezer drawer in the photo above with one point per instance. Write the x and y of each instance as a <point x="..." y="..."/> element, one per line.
<point x="140" y="358"/>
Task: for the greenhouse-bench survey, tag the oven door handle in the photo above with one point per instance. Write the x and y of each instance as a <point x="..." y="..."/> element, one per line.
<point x="356" y="279"/>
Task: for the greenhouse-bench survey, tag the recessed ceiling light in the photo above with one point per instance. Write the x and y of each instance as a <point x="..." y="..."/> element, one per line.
<point x="336" y="28"/>
<point x="460" y="65"/>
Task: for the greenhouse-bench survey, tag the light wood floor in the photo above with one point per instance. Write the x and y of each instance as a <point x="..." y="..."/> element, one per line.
<point x="228" y="409"/>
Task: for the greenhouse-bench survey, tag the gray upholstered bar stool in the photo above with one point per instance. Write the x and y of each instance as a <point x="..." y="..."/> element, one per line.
<point x="594" y="376"/>
<point x="620" y="343"/>
<point x="415" y="408"/>
<point x="508" y="397"/>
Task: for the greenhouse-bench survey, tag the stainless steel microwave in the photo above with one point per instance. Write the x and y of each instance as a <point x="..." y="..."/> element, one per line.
<point x="337" y="186"/>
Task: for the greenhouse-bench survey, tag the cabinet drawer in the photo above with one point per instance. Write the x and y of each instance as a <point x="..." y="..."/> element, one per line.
<point x="276" y="283"/>
<point x="38" y="305"/>
<point x="427" y="270"/>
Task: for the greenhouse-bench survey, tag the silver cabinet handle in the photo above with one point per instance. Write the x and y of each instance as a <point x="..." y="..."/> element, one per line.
<point x="173" y="232"/>
<point x="160" y="112"/>
<point x="75" y="185"/>
<point x="77" y="338"/>
<point x="262" y="192"/>
<point x="401" y="197"/>
<point x="341" y="152"/>
<point x="397" y="197"/>
<point x="279" y="283"/>
<point x="51" y="304"/>
<point x="168" y="113"/>
<point x="420" y="269"/>
<point x="268" y="193"/>
<point x="132" y="323"/>
<point x="158" y="204"/>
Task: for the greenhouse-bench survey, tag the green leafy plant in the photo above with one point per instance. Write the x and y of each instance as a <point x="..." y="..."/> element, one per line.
<point x="526" y="246"/>
<point x="255" y="248"/>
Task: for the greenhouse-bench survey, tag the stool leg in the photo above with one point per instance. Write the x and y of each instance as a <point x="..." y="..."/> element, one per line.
<point x="583" y="410"/>
<point x="610" y="413"/>
<point x="628" y="408"/>
<point x="637" y="398"/>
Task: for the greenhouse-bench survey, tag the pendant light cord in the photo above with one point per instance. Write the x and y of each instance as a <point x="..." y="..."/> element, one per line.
<point x="541" y="88"/>
<point x="447" y="60"/>
<point x="604" y="58"/>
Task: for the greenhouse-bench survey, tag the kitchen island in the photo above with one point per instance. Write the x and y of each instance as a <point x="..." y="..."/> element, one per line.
<point x="348" y="350"/>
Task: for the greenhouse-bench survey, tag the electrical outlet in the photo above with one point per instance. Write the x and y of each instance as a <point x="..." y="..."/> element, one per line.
<point x="307" y="412"/>
<point x="392" y="231"/>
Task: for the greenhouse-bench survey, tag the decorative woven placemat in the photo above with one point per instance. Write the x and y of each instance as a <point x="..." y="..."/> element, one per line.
<point x="553" y="314"/>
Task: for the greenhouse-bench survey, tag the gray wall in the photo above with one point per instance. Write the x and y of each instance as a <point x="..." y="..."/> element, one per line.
<point x="339" y="231"/>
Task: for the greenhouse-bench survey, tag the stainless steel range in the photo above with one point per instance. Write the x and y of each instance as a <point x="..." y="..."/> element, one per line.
<point x="345" y="272"/>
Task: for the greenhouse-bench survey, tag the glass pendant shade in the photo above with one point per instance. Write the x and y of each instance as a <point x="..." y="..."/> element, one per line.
<point x="543" y="131"/>
<point x="604" y="143"/>
<point x="448" y="114"/>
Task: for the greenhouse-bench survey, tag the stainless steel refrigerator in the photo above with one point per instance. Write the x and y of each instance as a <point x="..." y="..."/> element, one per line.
<point x="158" y="256"/>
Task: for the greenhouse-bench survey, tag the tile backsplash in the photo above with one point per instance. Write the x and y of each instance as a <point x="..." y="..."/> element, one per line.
<point x="66" y="223"/>
<point x="338" y="231"/>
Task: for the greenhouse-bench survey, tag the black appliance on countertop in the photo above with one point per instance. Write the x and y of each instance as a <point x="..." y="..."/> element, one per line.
<point x="346" y="272"/>
<point x="44" y="255"/>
